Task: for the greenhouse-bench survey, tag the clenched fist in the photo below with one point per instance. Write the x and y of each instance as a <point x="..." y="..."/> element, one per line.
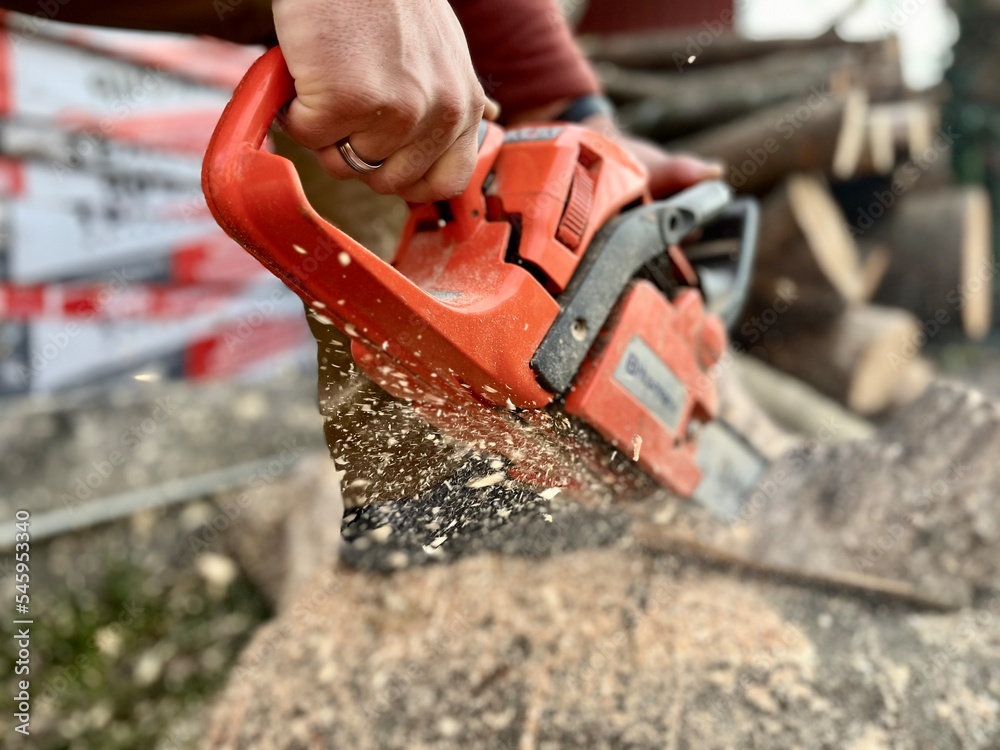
<point x="394" y="77"/>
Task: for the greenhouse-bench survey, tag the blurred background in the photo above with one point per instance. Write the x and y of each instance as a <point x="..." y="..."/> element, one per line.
<point x="155" y="381"/>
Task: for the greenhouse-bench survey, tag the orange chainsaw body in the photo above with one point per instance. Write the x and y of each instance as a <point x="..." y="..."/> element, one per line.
<point x="455" y="322"/>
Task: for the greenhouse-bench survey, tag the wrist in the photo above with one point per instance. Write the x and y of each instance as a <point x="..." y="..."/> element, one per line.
<point x="593" y="110"/>
<point x="545" y="113"/>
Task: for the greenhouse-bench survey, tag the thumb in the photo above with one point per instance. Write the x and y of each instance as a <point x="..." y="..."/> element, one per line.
<point x="674" y="173"/>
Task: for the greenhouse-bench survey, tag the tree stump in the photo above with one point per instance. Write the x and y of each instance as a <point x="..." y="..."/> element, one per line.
<point x="623" y="646"/>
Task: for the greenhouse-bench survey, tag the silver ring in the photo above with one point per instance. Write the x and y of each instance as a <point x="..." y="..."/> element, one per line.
<point x="354" y="161"/>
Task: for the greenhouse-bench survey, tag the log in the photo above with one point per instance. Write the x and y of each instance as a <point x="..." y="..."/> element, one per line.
<point x="743" y="412"/>
<point x="875" y="263"/>
<point x="941" y="267"/>
<point x="685" y="52"/>
<point x="914" y="381"/>
<point x="762" y="148"/>
<point x="664" y="105"/>
<point x="807" y="268"/>
<point x="798" y="407"/>
<point x="902" y="132"/>
<point x="858" y="360"/>
<point x="883" y="70"/>
<point x="866" y="198"/>
<point x="672" y="50"/>
<point x="607" y="648"/>
<point x="918" y="120"/>
<point x="881" y="142"/>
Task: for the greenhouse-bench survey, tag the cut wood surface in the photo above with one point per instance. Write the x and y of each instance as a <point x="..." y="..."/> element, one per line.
<point x="941" y="265"/>
<point x="913" y="122"/>
<point x="858" y="360"/>
<point x="873" y="267"/>
<point x="853" y="134"/>
<point x="881" y="141"/>
<point x="806" y="259"/>
<point x="914" y="379"/>
<point x="607" y="648"/>
<point x="879" y="137"/>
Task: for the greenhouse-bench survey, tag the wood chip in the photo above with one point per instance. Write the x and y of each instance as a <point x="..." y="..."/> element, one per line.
<point x="487" y="481"/>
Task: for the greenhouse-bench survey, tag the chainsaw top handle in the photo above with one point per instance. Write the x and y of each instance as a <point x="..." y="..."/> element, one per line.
<point x="241" y="192"/>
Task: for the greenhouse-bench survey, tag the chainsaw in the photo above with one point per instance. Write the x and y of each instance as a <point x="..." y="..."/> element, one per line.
<point x="549" y="314"/>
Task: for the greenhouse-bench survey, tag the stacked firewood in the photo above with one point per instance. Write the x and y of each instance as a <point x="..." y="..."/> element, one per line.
<point x="868" y="251"/>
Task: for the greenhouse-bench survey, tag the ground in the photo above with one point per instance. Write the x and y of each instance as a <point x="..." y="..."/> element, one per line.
<point x="140" y="622"/>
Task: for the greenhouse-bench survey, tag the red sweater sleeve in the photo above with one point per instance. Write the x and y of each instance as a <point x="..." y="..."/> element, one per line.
<point x="524" y="53"/>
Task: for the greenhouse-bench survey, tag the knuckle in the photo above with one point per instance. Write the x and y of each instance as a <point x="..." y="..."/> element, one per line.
<point x="478" y="103"/>
<point x="405" y="111"/>
<point x="313" y="121"/>
<point x="453" y="109"/>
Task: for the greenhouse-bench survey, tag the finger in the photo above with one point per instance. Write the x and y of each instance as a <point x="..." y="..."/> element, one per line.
<point x="335" y="165"/>
<point x="315" y="129"/>
<point x="674" y="173"/>
<point x="449" y="175"/>
<point x="491" y="111"/>
<point x="377" y="148"/>
<point x="406" y="166"/>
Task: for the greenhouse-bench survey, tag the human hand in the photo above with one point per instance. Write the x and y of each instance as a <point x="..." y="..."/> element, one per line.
<point x="668" y="173"/>
<point x="395" y="77"/>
